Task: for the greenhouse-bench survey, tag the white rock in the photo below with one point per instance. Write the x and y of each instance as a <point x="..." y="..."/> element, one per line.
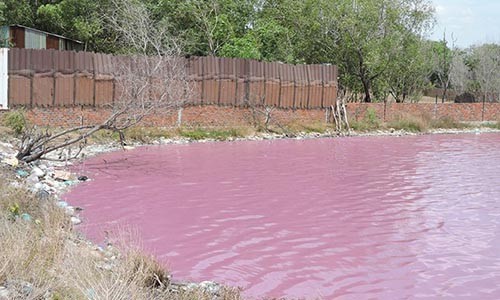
<point x="75" y="220"/>
<point x="62" y="204"/>
<point x="38" y="172"/>
<point x="70" y="210"/>
<point x="4" y="293"/>
<point x="62" y="175"/>
<point x="39" y="186"/>
<point x="11" y="161"/>
<point x="32" y="179"/>
<point x="210" y="286"/>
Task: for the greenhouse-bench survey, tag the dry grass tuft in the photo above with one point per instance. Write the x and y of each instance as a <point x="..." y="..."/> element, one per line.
<point x="42" y="257"/>
<point x="410" y="123"/>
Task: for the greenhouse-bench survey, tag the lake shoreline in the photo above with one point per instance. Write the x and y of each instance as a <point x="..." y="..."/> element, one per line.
<point x="48" y="185"/>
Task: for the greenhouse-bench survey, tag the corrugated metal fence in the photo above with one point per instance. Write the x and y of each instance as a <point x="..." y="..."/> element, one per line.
<point x="65" y="78"/>
<point x="3" y="78"/>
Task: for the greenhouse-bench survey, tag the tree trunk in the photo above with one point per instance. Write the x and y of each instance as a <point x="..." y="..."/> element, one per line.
<point x="366" y="87"/>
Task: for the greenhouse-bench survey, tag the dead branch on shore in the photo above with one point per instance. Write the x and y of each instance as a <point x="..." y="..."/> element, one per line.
<point x="151" y="79"/>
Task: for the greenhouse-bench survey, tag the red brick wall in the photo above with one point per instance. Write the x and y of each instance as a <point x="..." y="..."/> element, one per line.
<point x="218" y="116"/>
<point x="193" y="116"/>
<point x="456" y="111"/>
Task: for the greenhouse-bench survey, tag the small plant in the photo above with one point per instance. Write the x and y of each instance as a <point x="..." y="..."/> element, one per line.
<point x="201" y="134"/>
<point x="15" y="120"/>
<point x="371" y="118"/>
<point x="369" y="122"/>
<point x="493" y="125"/>
<point x="146" y="134"/>
<point x="15" y="210"/>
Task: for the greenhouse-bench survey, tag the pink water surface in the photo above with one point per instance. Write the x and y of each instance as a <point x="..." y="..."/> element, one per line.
<point x="349" y="218"/>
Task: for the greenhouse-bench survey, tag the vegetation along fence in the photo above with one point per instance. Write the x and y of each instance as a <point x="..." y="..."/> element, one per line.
<point x="51" y="78"/>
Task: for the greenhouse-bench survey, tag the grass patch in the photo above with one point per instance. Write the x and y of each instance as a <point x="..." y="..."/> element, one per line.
<point x="447" y="123"/>
<point x="493" y="125"/>
<point x="409" y="123"/>
<point x="214" y="134"/>
<point x="368" y="123"/>
<point x="316" y="127"/>
<point x="147" y="134"/>
<point x="15" y="120"/>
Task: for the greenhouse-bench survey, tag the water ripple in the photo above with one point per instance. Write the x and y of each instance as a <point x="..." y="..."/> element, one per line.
<point x="354" y="218"/>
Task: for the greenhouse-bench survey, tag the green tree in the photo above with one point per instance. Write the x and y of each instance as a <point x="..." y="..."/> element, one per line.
<point x="244" y="47"/>
<point x="367" y="36"/>
<point x="18" y="12"/>
<point x="78" y="19"/>
<point x="205" y="26"/>
<point x="408" y="74"/>
<point x="441" y="57"/>
<point x="2" y="8"/>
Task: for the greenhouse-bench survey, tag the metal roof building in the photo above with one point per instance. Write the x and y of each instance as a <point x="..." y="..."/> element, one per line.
<point x="18" y="36"/>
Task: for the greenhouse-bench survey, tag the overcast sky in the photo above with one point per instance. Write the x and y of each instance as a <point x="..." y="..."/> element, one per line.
<point x="470" y="21"/>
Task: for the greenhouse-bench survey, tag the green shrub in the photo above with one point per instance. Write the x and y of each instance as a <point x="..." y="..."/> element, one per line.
<point x="493" y="125"/>
<point x="202" y="134"/>
<point x="371" y="118"/>
<point x="369" y="122"/>
<point x="15" y="120"/>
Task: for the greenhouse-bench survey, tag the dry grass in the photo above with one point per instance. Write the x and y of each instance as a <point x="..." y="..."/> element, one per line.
<point x="424" y="123"/>
<point x="307" y="127"/>
<point x="31" y="250"/>
<point x="43" y="258"/>
<point x="410" y="123"/>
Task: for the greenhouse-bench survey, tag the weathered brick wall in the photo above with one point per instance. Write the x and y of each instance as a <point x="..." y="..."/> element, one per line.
<point x="456" y="111"/>
<point x="192" y="116"/>
<point x="222" y="116"/>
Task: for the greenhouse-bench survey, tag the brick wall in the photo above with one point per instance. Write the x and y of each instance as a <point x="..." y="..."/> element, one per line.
<point x="221" y="116"/>
<point x="457" y="111"/>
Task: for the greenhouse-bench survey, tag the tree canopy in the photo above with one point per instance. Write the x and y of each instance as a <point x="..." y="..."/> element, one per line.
<point x="379" y="46"/>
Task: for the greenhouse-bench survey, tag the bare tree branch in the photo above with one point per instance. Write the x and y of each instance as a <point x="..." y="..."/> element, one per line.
<point x="151" y="79"/>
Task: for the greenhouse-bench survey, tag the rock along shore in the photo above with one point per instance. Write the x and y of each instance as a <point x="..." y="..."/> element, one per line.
<point x="49" y="180"/>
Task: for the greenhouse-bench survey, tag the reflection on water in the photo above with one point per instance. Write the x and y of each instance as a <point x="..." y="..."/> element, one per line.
<point x="352" y="218"/>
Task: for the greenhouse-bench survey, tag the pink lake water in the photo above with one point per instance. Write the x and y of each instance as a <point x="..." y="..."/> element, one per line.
<point x="348" y="218"/>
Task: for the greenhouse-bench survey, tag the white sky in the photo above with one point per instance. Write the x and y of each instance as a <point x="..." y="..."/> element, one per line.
<point x="470" y="21"/>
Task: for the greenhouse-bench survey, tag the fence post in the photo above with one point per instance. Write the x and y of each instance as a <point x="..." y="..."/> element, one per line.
<point x="4" y="78"/>
<point x="385" y="109"/>
<point x="482" y="112"/>
<point x="293" y="69"/>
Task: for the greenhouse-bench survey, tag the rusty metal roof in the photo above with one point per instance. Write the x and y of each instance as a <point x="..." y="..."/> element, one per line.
<point x="48" y="33"/>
